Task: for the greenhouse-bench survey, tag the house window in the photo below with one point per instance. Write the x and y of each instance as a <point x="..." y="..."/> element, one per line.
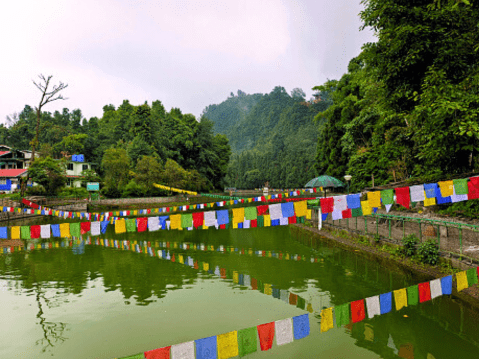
<point x="70" y="167"/>
<point x="3" y="181"/>
<point x="85" y="167"/>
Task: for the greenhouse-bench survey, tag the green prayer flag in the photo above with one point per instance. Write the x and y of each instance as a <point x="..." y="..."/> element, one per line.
<point x="75" y="229"/>
<point x="412" y="295"/>
<point x="187" y="220"/>
<point x="460" y="186"/>
<point x="250" y="213"/>
<point x="260" y="221"/>
<point x="247" y="341"/>
<point x="131" y="225"/>
<point x="25" y="232"/>
<point x="471" y="276"/>
<point x="301" y="303"/>
<point x="356" y="212"/>
<point x="260" y="286"/>
<point x="387" y="196"/>
<point x="342" y="314"/>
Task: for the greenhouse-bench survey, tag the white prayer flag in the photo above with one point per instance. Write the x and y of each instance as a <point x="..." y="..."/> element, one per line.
<point x="436" y="288"/>
<point x="153" y="224"/>
<point x="372" y="304"/>
<point x="284" y="331"/>
<point x="45" y="231"/>
<point x="275" y="211"/>
<point x="183" y="350"/>
<point x="95" y="228"/>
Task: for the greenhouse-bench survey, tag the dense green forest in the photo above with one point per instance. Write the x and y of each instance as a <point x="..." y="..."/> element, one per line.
<point x="408" y="105"/>
<point x="132" y="146"/>
<point x="274" y="139"/>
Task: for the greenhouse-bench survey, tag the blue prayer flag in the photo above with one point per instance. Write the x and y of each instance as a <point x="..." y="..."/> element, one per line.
<point x="446" y="285"/>
<point x="440" y="199"/>
<point x="301" y="326"/>
<point x="375" y="209"/>
<point x="240" y="225"/>
<point x="287" y="209"/>
<point x="385" y="301"/>
<point x="324" y="216"/>
<point x="104" y="226"/>
<point x="3" y="232"/>
<point x="55" y="230"/>
<point x="430" y="189"/>
<point x="353" y="201"/>
<point x="163" y="221"/>
<point x="240" y="279"/>
<point x="236" y="201"/>
<point x="275" y="222"/>
<point x="276" y="293"/>
<point x="206" y="348"/>
<point x="222" y="216"/>
<point x="163" y="253"/>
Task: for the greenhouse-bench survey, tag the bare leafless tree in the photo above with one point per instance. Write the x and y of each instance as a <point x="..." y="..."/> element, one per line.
<point x="12" y="119"/>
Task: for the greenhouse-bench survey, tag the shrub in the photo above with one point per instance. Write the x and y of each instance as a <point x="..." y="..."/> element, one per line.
<point x="409" y="242"/>
<point x="429" y="252"/>
<point x="78" y="192"/>
<point x="35" y="191"/>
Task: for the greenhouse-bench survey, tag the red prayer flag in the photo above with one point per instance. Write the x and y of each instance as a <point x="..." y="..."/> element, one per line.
<point x="266" y="335"/>
<point x="347" y="213"/>
<point x="280" y="255"/>
<point x="173" y="257"/>
<point x="473" y="186"/>
<point x="85" y="227"/>
<point x="26" y="202"/>
<point x="280" y="196"/>
<point x="292" y="219"/>
<point x="196" y="265"/>
<point x="293" y="298"/>
<point x="254" y="283"/>
<point x="222" y="226"/>
<point x="198" y="218"/>
<point x="254" y="223"/>
<point x="167" y="209"/>
<point x="327" y="205"/>
<point x="357" y="311"/>
<point x="424" y="292"/>
<point x="263" y="198"/>
<point x="262" y="209"/>
<point x="142" y="224"/>
<point x="263" y="253"/>
<point x="403" y="197"/>
<point x="161" y="353"/>
<point x="314" y="190"/>
<point x="35" y="232"/>
<point x="223" y="273"/>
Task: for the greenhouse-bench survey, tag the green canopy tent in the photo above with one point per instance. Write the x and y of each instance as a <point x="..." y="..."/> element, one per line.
<point x="325" y="181"/>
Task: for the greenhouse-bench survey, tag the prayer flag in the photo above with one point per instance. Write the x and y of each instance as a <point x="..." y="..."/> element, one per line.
<point x="210" y="218"/>
<point x="262" y="209"/>
<point x="75" y="229"/>
<point x="55" y="230"/>
<point x="429" y="201"/>
<point x="85" y="227"/>
<point x="460" y="186"/>
<point x="136" y="356"/>
<point x="355" y="212"/>
<point x="353" y="201"/>
<point x="3" y="232"/>
<point x="386" y="302"/>
<point x="446" y="285"/>
<point x="275" y="211"/>
<point x="35" y="232"/>
<point x="284" y="331"/>
<point x="446" y="188"/>
<point x="357" y="310"/>
<point x="327" y="204"/>
<point x="473" y="188"/>
<point x="436" y="289"/>
<point x="198" y="219"/>
<point x="153" y="224"/>
<point x="120" y="226"/>
<point x="266" y="335"/>
<point x="372" y="303"/>
<point x="95" y="228"/>
<point x="400" y="298"/>
<point x="374" y="199"/>
<point x="417" y="193"/>
<point x="65" y="230"/>
<point x="267" y="220"/>
<point x="206" y="348"/>
<point x="130" y="225"/>
<point x="301" y="326"/>
<point x="342" y="314"/>
<point x="424" y="292"/>
<point x="387" y="196"/>
<point x="293" y="298"/>
<point x="337" y="214"/>
<point x="227" y="345"/>
<point x="15" y="232"/>
<point x="161" y="353"/>
<point x="347" y="213"/>
<point x="340" y="203"/>
<point x="287" y="209"/>
<point x="471" y="276"/>
<point x="183" y="351"/>
<point x="238" y="215"/>
<point x="222" y="216"/>
<point x="247" y="342"/>
<point x="300" y="208"/>
<point x="366" y="209"/>
<point x="25" y="232"/>
<point x="440" y="198"/>
<point x="326" y="319"/>
<point x="402" y="196"/>
<point x="430" y="189"/>
<point x="103" y="226"/>
<point x="186" y="220"/>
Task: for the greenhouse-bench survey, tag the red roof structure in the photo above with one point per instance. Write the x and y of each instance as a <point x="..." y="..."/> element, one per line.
<point x="4" y="152"/>
<point x="12" y="172"/>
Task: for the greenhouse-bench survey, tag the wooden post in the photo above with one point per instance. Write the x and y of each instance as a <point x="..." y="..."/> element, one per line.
<point x="372" y="178"/>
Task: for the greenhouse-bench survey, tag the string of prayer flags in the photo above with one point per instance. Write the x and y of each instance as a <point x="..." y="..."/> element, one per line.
<point x="402" y="196"/>
<point x="326" y="320"/>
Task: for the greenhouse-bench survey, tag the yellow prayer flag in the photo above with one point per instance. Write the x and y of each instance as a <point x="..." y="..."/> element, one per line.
<point x="429" y="201"/>
<point x="175" y="245"/>
<point x="235" y="225"/>
<point x="206" y="266"/>
<point x="326" y="319"/>
<point x="400" y="297"/>
<point x="367" y="210"/>
<point x="309" y="213"/>
<point x="301" y="208"/>
<point x="235" y="277"/>
<point x="268" y="289"/>
<point x="309" y="307"/>
<point x="120" y="226"/>
<point x="447" y="188"/>
<point x="250" y="252"/>
<point x="286" y="256"/>
<point x="232" y="202"/>
<point x="374" y="199"/>
<point x="175" y="221"/>
<point x="238" y="215"/>
<point x="57" y="245"/>
<point x="461" y="278"/>
<point x="16" y="232"/>
<point x="204" y="227"/>
<point x="180" y="259"/>
<point x="368" y="332"/>
<point x="135" y="212"/>
<point x="65" y="230"/>
<point x="227" y="345"/>
<point x="267" y="220"/>
<point x="250" y="200"/>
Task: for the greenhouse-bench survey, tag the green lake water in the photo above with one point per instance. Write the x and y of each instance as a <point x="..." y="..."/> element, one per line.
<point x="92" y="301"/>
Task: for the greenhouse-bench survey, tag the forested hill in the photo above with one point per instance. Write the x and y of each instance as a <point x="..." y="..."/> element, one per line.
<point x="274" y="141"/>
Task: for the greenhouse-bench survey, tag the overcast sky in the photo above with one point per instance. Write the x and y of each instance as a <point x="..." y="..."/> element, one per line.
<point x="188" y="54"/>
